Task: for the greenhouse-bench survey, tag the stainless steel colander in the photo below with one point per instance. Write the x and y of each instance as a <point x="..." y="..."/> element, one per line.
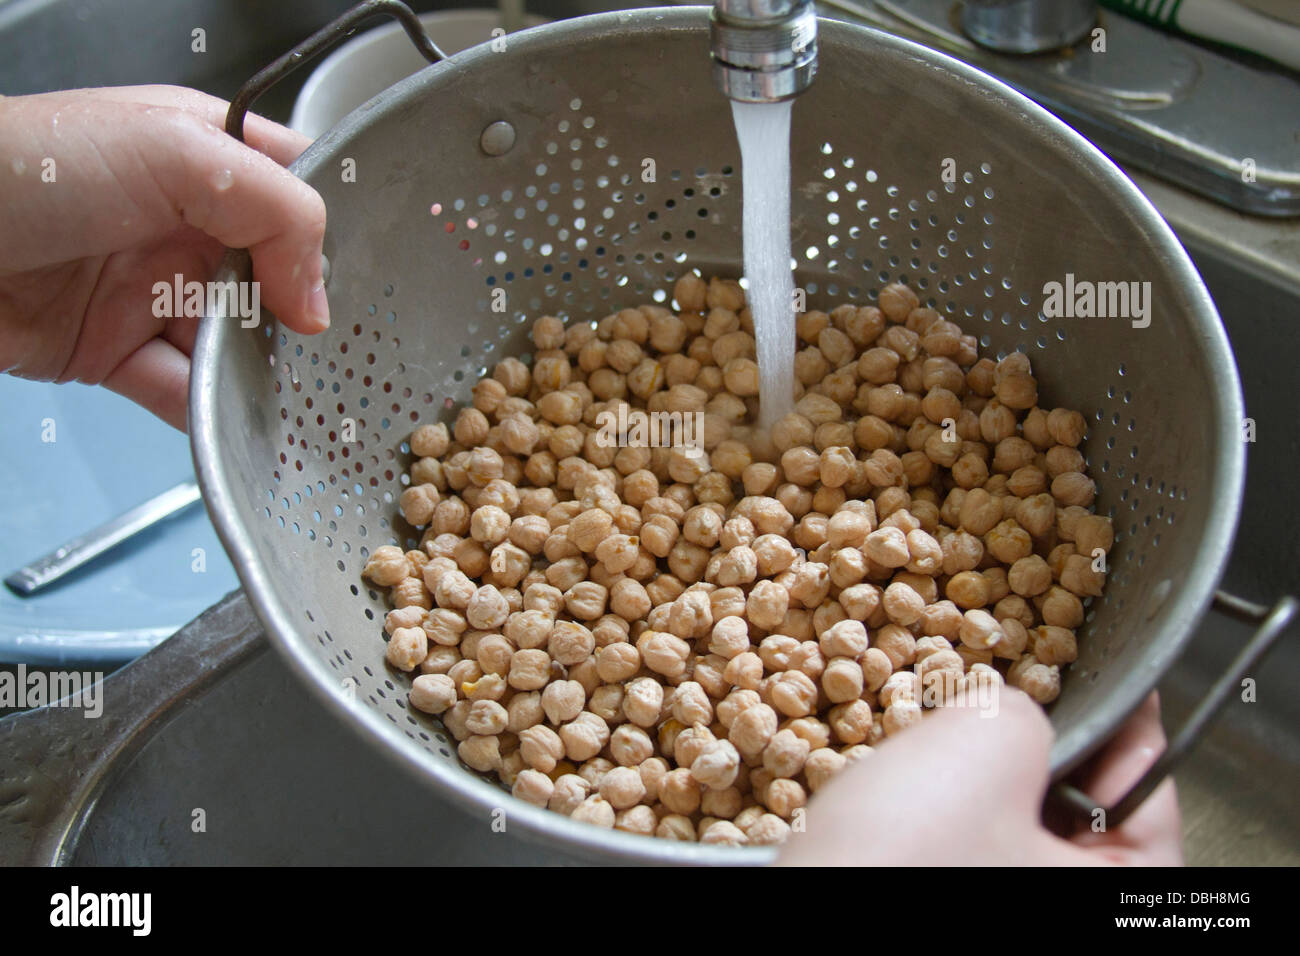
<point x="528" y="170"/>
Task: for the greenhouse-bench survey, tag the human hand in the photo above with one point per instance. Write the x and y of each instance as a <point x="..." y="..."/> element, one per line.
<point x="146" y="185"/>
<point x="965" y="790"/>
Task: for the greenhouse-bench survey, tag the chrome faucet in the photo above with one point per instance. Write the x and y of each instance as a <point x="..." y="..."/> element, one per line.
<point x="763" y="50"/>
<point x="1028" y="26"/>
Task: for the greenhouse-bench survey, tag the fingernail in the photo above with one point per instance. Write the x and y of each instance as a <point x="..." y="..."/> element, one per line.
<point x="318" y="308"/>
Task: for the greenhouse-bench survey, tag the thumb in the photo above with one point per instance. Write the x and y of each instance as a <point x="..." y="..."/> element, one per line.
<point x="964" y="787"/>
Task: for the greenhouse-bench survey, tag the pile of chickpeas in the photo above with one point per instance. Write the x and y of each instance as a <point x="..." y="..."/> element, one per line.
<point x="686" y="643"/>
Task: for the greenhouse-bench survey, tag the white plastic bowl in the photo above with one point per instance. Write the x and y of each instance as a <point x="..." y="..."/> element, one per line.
<point x="368" y="64"/>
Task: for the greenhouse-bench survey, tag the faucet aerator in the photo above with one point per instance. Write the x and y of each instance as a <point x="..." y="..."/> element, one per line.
<point x="763" y="51"/>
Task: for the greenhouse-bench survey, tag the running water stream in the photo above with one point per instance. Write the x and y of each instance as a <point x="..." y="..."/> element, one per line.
<point x="763" y="130"/>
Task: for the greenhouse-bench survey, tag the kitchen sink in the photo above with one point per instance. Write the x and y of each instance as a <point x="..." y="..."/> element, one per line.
<point x="279" y="780"/>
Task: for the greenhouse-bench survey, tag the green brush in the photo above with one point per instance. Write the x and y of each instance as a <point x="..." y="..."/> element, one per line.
<point x="1221" y="21"/>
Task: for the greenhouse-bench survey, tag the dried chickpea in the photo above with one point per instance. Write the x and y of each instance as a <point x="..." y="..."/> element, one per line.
<point x="793" y="693"/>
<point x="430" y="441"/>
<point x="752" y="729"/>
<point x="1093" y="533"/>
<point x="980" y="630"/>
<point x="1039" y="681"/>
<point x="903" y="603"/>
<point x="433" y="693"/>
<point x="590" y="528"/>
<point x="1078" y="576"/>
<point x="680" y="792"/>
<point x="486" y="718"/>
<point x="967" y="589"/>
<point x="534" y="787"/>
<point x="675" y="826"/>
<point x="784" y="797"/>
<point x="525" y="711"/>
<point x="622" y="787"/>
<point x="785" y="754"/>
<point x="900" y="715"/>
<point x="586" y="600"/>
<point x="860" y="601"/>
<point x="643" y="701"/>
<point x="888" y="548"/>
<point x="1036" y="514"/>
<point x="486" y="609"/>
<point x="570" y="791"/>
<point x="744" y="671"/>
<point x="1066" y="427"/>
<point x="836" y="466"/>
<point x="1056" y="558"/>
<point x="817" y="733"/>
<point x="822" y="765"/>
<point x="563" y="700"/>
<point x="664" y="653"/>
<point x="851" y="721"/>
<point x="387" y="566"/>
<point x="584" y="736"/>
<point x="897" y="643"/>
<point x="658" y="535"/>
<point x="564" y="572"/>
<point x="639" y="819"/>
<point x="570" y="643"/>
<point x="407" y="647"/>
<point x="1060" y="608"/>
<point x="767" y="605"/>
<point x="723" y="833"/>
<point x="717" y="766"/>
<point x="810" y="584"/>
<point x="842" y="680"/>
<point x="417" y="505"/>
<point x="847" y="638"/>
<point x="1054" y="645"/>
<point x="595" y="810"/>
<point x="530" y="669"/>
<point x="876" y="668"/>
<point x="1073" y="488"/>
<point x="691" y="705"/>
<point x="629" y="600"/>
<point x="979" y="512"/>
<point x="481" y="753"/>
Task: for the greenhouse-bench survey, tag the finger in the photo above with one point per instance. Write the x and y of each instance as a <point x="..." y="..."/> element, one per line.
<point x="1152" y="834"/>
<point x="157" y="376"/>
<point x="181" y="332"/>
<point x="1134" y="748"/>
<point x="266" y="136"/>
<point x="132" y="173"/>
<point x="246" y="201"/>
<point x="122" y="311"/>
<point x="960" y="788"/>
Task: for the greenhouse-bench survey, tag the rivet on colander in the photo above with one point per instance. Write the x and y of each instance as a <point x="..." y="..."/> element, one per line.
<point x="497" y="139"/>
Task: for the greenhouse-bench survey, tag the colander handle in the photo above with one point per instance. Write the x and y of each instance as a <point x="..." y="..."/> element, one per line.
<point x="1271" y="623"/>
<point x="319" y="42"/>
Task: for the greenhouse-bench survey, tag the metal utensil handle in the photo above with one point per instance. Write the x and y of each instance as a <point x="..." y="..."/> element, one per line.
<point x="86" y="547"/>
<point x="1272" y="622"/>
<point x="316" y="44"/>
